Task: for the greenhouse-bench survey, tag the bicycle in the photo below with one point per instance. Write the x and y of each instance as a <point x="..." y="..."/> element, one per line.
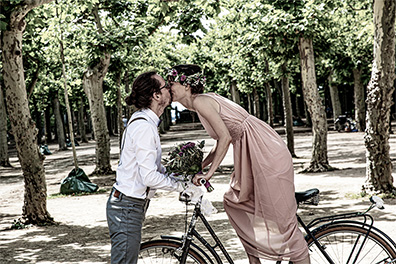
<point x="340" y="238"/>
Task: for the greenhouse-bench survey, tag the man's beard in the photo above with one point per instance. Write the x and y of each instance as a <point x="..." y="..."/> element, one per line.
<point x="166" y="103"/>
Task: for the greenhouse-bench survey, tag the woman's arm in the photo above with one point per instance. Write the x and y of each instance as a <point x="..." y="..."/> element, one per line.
<point x="209" y="157"/>
<point x="208" y="108"/>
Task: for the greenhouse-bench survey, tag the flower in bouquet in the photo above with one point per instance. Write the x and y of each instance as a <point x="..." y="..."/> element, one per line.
<point x="185" y="160"/>
<point x="193" y="80"/>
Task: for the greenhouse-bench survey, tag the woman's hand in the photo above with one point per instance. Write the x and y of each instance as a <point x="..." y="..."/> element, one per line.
<point x="198" y="177"/>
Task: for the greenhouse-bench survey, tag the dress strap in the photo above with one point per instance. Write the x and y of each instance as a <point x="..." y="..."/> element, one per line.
<point x="215" y="97"/>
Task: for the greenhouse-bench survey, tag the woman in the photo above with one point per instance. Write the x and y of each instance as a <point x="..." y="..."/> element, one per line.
<point x="260" y="202"/>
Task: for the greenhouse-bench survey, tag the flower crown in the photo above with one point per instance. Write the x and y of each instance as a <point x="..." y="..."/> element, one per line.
<point x="192" y="80"/>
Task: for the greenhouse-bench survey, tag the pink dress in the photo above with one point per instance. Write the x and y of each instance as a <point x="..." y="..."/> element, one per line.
<point x="260" y="203"/>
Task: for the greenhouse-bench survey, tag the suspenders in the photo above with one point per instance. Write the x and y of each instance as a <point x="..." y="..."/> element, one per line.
<point x="122" y="147"/>
<point x="124" y="135"/>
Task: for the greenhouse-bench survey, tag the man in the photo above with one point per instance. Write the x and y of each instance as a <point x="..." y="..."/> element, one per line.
<point x="139" y="168"/>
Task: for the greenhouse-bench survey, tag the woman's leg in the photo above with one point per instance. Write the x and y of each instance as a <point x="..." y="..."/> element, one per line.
<point x="253" y="260"/>
<point x="304" y="261"/>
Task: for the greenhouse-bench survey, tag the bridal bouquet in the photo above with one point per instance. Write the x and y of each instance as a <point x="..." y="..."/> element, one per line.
<point x="185" y="160"/>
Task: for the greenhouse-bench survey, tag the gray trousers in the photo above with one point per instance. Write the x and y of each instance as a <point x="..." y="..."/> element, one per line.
<point x="125" y="216"/>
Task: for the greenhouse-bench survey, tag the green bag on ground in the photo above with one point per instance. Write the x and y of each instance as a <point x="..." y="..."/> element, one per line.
<point x="77" y="182"/>
<point x="45" y="150"/>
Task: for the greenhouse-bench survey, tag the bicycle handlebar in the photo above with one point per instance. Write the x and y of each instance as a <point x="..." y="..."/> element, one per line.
<point x="207" y="184"/>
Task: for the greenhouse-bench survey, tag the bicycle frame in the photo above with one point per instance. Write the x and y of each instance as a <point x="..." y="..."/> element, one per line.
<point x="192" y="232"/>
<point x="309" y="233"/>
<point x="311" y="229"/>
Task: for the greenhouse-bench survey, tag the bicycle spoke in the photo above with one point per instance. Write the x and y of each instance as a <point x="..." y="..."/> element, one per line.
<point x="369" y="254"/>
<point x="351" y="245"/>
<point x="166" y="252"/>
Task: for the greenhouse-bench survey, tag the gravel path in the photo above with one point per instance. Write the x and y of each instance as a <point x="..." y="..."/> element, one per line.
<point x="82" y="235"/>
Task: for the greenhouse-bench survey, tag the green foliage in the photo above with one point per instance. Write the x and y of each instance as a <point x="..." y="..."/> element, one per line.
<point x="188" y="21"/>
<point x="19" y="224"/>
<point x="3" y="23"/>
<point x="242" y="41"/>
<point x="7" y="7"/>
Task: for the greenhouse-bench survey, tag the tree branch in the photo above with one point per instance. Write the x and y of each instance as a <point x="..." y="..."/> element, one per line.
<point x="157" y="26"/>
<point x="356" y="9"/>
<point x="34" y="81"/>
<point x="97" y="19"/>
<point x="22" y="9"/>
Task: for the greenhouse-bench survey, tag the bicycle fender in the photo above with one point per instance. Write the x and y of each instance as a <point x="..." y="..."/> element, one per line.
<point x="172" y="238"/>
<point x="373" y="229"/>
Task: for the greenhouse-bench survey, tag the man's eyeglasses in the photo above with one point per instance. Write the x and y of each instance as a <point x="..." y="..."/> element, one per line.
<point x="165" y="86"/>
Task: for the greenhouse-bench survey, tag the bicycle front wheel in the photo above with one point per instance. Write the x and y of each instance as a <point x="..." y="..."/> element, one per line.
<point x="347" y="244"/>
<point x="166" y="251"/>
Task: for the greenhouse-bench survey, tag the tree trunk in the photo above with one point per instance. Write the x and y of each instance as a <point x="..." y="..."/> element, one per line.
<point x="34" y="81"/>
<point x="360" y="107"/>
<point x="35" y="197"/>
<point x="60" y="131"/>
<point x="168" y="118"/>
<point x="166" y="121"/>
<point x="287" y="108"/>
<point x="335" y="98"/>
<point x="235" y="93"/>
<point x="115" y="119"/>
<point x="81" y="123"/>
<point x="93" y="87"/>
<point x="108" y="111"/>
<point x="270" y="112"/>
<point x="300" y="104"/>
<point x="48" y="132"/>
<point x="256" y="103"/>
<point x="128" y="109"/>
<point x="379" y="100"/>
<point x="264" y="114"/>
<point x="319" y="160"/>
<point x="38" y="120"/>
<point x="68" y="111"/>
<point x="308" y="119"/>
<point x="119" y="111"/>
<point x="4" y="158"/>
<point x="250" y="104"/>
<point x="278" y="104"/>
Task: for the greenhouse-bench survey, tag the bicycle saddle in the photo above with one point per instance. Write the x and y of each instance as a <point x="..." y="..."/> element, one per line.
<point x="308" y="194"/>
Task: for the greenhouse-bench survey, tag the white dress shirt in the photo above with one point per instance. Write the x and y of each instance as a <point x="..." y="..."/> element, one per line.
<point x="140" y="160"/>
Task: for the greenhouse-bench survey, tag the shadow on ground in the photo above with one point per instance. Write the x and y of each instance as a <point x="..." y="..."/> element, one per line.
<point x="63" y="243"/>
<point x="74" y="243"/>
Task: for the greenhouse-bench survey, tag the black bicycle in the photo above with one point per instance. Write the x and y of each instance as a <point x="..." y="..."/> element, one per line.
<point x="341" y="238"/>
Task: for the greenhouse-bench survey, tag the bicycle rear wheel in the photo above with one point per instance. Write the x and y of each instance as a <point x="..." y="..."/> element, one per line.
<point x="166" y="251"/>
<point x="343" y="242"/>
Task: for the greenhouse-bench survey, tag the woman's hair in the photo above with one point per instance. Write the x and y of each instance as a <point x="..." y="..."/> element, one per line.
<point x="189" y="70"/>
<point x="142" y="90"/>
